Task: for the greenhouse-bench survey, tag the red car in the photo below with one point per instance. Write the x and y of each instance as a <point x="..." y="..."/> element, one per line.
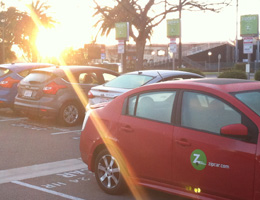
<point x="193" y="138"/>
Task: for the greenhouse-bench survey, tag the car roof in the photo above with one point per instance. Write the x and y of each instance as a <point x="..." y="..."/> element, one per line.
<point x="60" y="70"/>
<point x="163" y="73"/>
<point x="206" y="84"/>
<point x="17" y="67"/>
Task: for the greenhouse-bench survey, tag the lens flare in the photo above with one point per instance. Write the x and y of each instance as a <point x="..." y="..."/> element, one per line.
<point x="126" y="169"/>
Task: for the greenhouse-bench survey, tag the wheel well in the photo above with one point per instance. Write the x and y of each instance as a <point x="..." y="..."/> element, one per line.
<point x="71" y="101"/>
<point x="97" y="150"/>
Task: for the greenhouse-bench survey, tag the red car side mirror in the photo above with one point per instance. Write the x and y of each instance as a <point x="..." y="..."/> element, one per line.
<point x="235" y="130"/>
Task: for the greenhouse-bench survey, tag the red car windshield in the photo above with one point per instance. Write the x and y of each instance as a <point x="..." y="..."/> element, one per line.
<point x="251" y="99"/>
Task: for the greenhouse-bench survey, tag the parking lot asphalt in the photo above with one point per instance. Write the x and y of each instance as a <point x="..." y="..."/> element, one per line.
<point x="41" y="160"/>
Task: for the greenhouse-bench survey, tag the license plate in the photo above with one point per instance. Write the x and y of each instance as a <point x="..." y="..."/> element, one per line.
<point x="103" y="100"/>
<point x="27" y="93"/>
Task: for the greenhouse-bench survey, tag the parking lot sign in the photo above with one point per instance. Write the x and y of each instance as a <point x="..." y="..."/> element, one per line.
<point x="248" y="45"/>
<point x="173" y="28"/>
<point x="122" y="30"/>
<point x="173" y="45"/>
<point x="249" y="25"/>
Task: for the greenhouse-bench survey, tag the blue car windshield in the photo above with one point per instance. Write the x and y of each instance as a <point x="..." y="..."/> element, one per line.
<point x="129" y="81"/>
<point x="4" y="71"/>
<point x="251" y="99"/>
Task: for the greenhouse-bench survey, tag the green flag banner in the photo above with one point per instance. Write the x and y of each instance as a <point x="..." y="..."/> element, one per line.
<point x="249" y="25"/>
<point x="173" y="28"/>
<point x="122" y="30"/>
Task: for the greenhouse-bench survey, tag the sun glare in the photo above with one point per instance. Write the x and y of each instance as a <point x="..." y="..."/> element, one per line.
<point x="50" y="43"/>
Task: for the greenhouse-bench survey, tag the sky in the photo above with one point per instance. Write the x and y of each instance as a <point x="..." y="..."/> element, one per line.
<point x="75" y="26"/>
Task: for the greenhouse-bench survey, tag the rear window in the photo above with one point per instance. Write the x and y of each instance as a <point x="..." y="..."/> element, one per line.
<point x="129" y="81"/>
<point x="4" y="71"/>
<point x="251" y="99"/>
<point x="38" y="77"/>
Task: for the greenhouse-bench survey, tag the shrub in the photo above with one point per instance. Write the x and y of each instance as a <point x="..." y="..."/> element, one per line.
<point x="240" y="67"/>
<point x="192" y="70"/>
<point x="233" y="74"/>
<point x="257" y="75"/>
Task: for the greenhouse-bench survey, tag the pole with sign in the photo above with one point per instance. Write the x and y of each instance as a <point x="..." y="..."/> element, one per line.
<point x="219" y="57"/>
<point x="122" y="35"/>
<point x="173" y="49"/>
<point x="249" y="29"/>
<point x="173" y="32"/>
<point x="103" y="52"/>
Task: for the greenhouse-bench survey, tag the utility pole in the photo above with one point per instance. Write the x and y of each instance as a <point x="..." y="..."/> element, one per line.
<point x="180" y="44"/>
<point x="3" y="40"/>
<point x="236" y="51"/>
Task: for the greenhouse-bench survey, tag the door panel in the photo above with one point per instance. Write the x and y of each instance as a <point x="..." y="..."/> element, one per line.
<point x="227" y="171"/>
<point x="147" y="145"/>
<point x="206" y="161"/>
<point x="145" y="134"/>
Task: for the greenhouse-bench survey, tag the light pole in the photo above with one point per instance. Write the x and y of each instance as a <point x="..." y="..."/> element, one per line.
<point x="236" y="51"/>
<point x="180" y="43"/>
<point x="209" y="54"/>
<point x="3" y="40"/>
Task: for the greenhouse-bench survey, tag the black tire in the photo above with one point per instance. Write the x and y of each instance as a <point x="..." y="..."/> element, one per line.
<point x="70" y="114"/>
<point x="108" y="174"/>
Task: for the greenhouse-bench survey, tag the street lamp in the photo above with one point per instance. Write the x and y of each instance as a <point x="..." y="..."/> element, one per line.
<point x="209" y="54"/>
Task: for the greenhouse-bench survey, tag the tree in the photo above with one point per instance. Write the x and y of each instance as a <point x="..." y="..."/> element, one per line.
<point x="28" y="27"/>
<point x="143" y="16"/>
<point x="8" y="20"/>
<point x="74" y="57"/>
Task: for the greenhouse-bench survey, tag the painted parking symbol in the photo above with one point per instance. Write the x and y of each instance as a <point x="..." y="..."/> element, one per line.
<point x="198" y="159"/>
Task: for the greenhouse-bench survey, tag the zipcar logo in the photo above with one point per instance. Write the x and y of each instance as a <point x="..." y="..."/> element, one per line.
<point x="198" y="159"/>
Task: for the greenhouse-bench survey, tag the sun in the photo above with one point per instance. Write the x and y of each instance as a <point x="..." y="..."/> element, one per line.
<point x="50" y="42"/>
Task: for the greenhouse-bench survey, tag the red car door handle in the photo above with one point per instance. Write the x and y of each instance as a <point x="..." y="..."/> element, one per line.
<point x="183" y="142"/>
<point x="127" y="128"/>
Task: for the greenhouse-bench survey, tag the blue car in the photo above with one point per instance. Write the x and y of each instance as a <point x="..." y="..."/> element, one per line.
<point x="10" y="76"/>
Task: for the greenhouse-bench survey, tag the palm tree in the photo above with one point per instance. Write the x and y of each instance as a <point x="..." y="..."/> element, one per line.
<point x="28" y="28"/>
<point x="8" y="19"/>
<point x="144" y="17"/>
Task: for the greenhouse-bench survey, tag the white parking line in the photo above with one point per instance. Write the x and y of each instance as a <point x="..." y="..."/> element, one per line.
<point x="46" y="190"/>
<point x="6" y="120"/>
<point x="45" y="169"/>
<point x="64" y="132"/>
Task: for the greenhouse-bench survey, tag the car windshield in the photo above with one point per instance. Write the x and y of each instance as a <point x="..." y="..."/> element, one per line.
<point x="4" y="71"/>
<point x="129" y="81"/>
<point x="251" y="99"/>
<point x="37" y="77"/>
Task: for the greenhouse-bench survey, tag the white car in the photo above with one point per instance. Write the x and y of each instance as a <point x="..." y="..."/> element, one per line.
<point x="121" y="84"/>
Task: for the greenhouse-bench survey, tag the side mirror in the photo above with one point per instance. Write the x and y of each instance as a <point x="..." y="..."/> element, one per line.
<point x="234" y="130"/>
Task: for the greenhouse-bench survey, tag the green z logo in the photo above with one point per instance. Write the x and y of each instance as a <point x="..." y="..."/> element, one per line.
<point x="198" y="159"/>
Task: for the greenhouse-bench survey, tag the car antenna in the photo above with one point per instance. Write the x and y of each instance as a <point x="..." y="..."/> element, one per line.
<point x="159" y="74"/>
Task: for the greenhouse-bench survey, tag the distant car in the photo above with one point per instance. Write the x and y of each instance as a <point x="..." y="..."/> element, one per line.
<point x="10" y="76"/>
<point x="195" y="138"/>
<point x="59" y="92"/>
<point x="131" y="80"/>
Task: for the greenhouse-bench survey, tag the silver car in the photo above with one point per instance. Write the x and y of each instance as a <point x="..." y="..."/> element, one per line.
<point x="110" y="90"/>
